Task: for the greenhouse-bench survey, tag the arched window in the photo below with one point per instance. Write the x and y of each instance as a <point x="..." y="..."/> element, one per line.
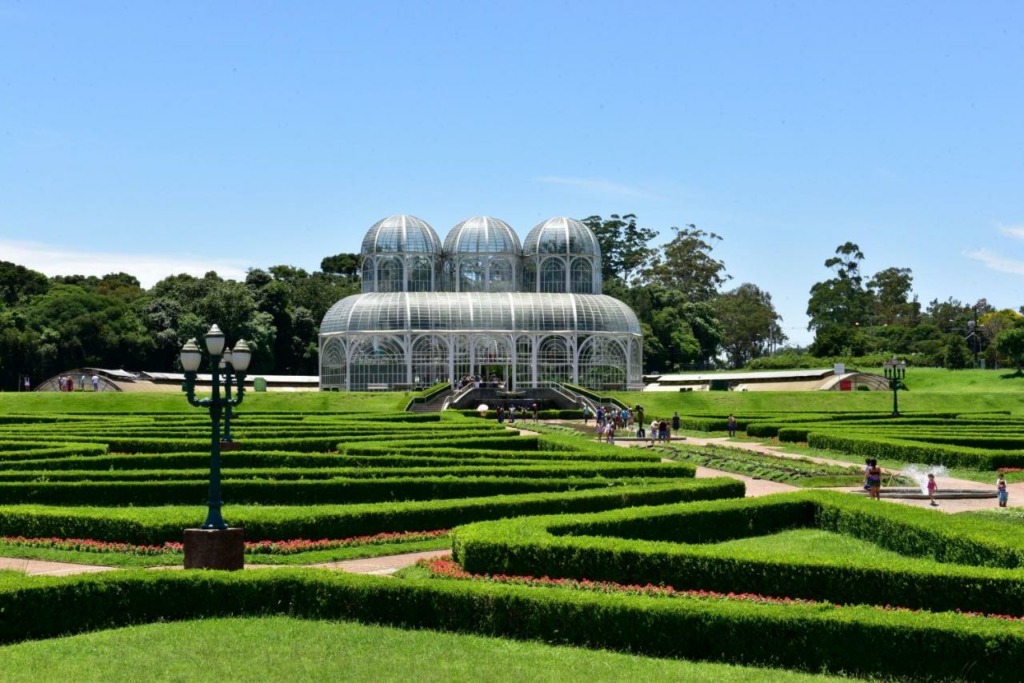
<point x="552" y="276"/>
<point x="389" y="275"/>
<point x="554" y="360"/>
<point x="378" y="361"/>
<point x="471" y="276"/>
<point x="602" y="363"/>
<point x="501" y="279"/>
<point x="369" y="281"/>
<point x="582" y="277"/>
<point x="332" y="365"/>
<point x="421" y="271"/>
<point x="529" y="276"/>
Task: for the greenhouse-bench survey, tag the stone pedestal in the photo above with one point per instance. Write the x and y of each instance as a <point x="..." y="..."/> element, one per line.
<point x="215" y="548"/>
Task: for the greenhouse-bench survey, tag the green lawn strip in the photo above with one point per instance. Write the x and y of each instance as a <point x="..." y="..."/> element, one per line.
<point x="814" y="637"/>
<point x="981" y="476"/>
<point x="813" y="544"/>
<point x="131" y="560"/>
<point x="288" y="649"/>
<point x="947" y="562"/>
<point x="795" y="471"/>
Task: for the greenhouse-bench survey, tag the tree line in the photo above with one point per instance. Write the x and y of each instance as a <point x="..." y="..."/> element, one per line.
<point x="690" y="318"/>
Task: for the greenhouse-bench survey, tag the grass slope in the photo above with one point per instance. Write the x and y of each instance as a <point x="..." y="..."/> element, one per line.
<point x="283" y="649"/>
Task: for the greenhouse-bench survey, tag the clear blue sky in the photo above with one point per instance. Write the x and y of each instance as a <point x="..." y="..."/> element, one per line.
<point x="157" y="138"/>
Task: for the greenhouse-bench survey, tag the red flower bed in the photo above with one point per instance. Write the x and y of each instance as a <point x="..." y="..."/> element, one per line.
<point x="445" y="567"/>
<point x="255" y="547"/>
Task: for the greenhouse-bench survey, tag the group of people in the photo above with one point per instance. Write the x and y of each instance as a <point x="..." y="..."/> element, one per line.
<point x="873" y="484"/>
<point x="67" y="383"/>
<point x="476" y="381"/>
<point x="514" y="408"/>
<point x="610" y="420"/>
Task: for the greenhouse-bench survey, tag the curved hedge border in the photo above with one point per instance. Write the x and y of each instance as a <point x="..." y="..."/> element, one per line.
<point x="811" y="637"/>
<point x="645" y="546"/>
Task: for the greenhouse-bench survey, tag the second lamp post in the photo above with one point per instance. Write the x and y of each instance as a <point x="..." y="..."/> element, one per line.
<point x="895" y="370"/>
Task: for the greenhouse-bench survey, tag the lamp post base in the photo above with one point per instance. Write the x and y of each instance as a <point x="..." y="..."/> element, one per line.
<point x="215" y="548"/>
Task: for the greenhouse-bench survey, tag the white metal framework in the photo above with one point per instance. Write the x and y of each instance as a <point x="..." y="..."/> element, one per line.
<point x="481" y="306"/>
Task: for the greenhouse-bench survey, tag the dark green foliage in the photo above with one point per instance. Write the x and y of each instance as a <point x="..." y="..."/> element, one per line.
<point x="855" y="640"/>
<point x="158" y="525"/>
<point x="974" y="566"/>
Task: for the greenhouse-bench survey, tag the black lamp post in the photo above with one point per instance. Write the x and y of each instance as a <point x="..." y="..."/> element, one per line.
<point x="895" y="370"/>
<point x="191" y="357"/>
<point x="226" y="368"/>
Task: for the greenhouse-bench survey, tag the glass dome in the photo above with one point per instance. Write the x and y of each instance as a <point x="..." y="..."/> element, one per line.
<point x="401" y="234"/>
<point x="482" y="254"/>
<point x="482" y="235"/>
<point x="562" y="236"/>
<point x="400" y="253"/>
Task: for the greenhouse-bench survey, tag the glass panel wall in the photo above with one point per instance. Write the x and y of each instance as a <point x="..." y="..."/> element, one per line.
<point x="421" y="274"/>
<point x="376" y="362"/>
<point x="552" y="276"/>
<point x="602" y="363"/>
<point x="389" y="274"/>
<point x="554" y="360"/>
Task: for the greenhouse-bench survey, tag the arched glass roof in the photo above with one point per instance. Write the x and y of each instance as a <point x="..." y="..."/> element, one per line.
<point x="401" y="235"/>
<point x="479" y="312"/>
<point x="482" y="235"/>
<point x="561" y="236"/>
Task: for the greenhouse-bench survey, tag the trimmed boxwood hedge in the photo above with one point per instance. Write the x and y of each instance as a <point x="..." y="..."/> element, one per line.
<point x="858" y="640"/>
<point x="976" y="567"/>
<point x="262" y="522"/>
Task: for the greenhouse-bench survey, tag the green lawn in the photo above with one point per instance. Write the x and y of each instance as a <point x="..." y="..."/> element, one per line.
<point x="282" y="649"/>
<point x="930" y="390"/>
<point x="173" y="402"/>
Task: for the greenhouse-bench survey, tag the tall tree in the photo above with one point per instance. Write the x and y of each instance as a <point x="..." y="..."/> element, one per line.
<point x="685" y="265"/>
<point x="17" y="283"/>
<point x="841" y="300"/>
<point x="891" y="290"/>
<point x="346" y="265"/>
<point x="750" y="323"/>
<point x="1011" y="343"/>
<point x="625" y="246"/>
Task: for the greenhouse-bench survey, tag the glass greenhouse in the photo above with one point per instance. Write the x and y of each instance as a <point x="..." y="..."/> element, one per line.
<point x="480" y="307"/>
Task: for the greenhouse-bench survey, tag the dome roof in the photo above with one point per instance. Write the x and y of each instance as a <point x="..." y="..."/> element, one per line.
<point x="482" y="235"/>
<point x="562" y="236"/>
<point x="479" y="311"/>
<point x="401" y="235"/>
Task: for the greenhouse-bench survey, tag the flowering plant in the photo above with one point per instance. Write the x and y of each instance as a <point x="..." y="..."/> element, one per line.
<point x="255" y="547"/>
<point x="445" y="567"/>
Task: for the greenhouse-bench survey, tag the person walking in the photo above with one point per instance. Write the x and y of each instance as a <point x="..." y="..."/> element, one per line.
<point x="732" y="425"/>
<point x="932" y="488"/>
<point x="1001" y="491"/>
<point x="675" y="423"/>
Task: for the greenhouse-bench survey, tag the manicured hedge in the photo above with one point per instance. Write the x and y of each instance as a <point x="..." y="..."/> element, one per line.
<point x="858" y="640"/>
<point x="451" y="468"/>
<point x="262" y="522"/>
<point x="645" y="546"/>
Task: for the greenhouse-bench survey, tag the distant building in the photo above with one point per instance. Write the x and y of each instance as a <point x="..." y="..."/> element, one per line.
<point x="482" y="307"/>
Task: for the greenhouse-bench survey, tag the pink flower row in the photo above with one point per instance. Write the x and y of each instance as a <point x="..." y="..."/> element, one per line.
<point x="256" y="547"/>
<point x="445" y="567"/>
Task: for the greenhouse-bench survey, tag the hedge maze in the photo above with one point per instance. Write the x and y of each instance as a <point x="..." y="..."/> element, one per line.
<point x="555" y="537"/>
